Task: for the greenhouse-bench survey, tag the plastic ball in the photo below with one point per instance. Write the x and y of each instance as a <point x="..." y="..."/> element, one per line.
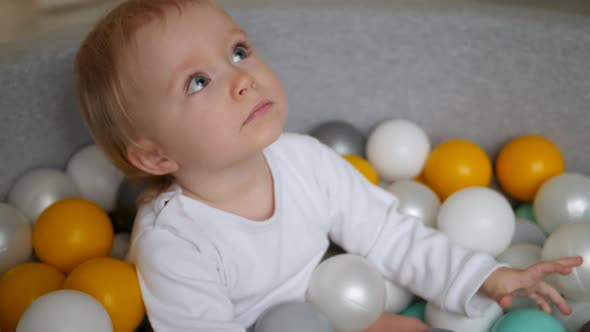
<point x="579" y="316"/>
<point x="570" y="240"/>
<point x="396" y="297"/>
<point x="363" y="167"/>
<point x="292" y="317"/>
<point x="561" y="200"/>
<point x="115" y="285"/>
<point x="65" y="311"/>
<point x="70" y="232"/>
<point x="21" y="286"/>
<point x="527" y="231"/>
<point x="525" y="211"/>
<point x="439" y="318"/>
<point x="97" y="178"/>
<point x="349" y="291"/>
<point x="527" y="320"/>
<point x="15" y="238"/>
<point x="415" y="310"/>
<point x="478" y="219"/>
<point x="586" y="327"/>
<point x="455" y="165"/>
<point x="341" y="136"/>
<point x="417" y="200"/>
<point x="120" y="245"/>
<point x="525" y="163"/>
<point x="398" y="149"/>
<point x="34" y="191"/>
<point x="521" y="255"/>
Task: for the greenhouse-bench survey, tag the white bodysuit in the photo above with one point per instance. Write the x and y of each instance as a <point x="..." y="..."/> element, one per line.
<point x="204" y="269"/>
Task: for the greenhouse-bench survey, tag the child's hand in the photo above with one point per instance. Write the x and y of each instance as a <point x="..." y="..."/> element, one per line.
<point x="504" y="283"/>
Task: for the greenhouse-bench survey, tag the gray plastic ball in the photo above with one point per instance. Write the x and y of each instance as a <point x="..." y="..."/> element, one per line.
<point x="349" y="291"/>
<point x="292" y="317"/>
<point x="341" y="136"/>
<point x="563" y="199"/>
<point x="570" y="240"/>
<point x="15" y="238"/>
<point x="527" y="231"/>
<point x="417" y="200"/>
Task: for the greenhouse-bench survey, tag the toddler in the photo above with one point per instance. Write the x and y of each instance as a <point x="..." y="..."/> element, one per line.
<point x="238" y="214"/>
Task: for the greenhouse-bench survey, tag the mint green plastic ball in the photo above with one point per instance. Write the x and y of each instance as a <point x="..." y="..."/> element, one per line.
<point x="528" y="320"/>
<point x="525" y="211"/>
<point x="415" y="310"/>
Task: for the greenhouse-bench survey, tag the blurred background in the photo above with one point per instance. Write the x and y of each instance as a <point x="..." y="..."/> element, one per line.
<point x="22" y="18"/>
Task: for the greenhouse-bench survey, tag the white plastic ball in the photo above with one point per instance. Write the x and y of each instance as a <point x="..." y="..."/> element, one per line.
<point x="36" y="190"/>
<point x="570" y="240"/>
<point x="397" y="298"/>
<point x="580" y="315"/>
<point x="16" y="245"/>
<point x="439" y="318"/>
<point x="479" y="219"/>
<point x="398" y="149"/>
<point x="417" y="200"/>
<point x="97" y="178"/>
<point x="562" y="199"/>
<point x="349" y="291"/>
<point x="120" y="245"/>
<point x="65" y="311"/>
<point x="527" y="231"/>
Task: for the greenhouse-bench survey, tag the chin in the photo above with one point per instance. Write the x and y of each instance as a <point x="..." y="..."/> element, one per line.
<point x="267" y="132"/>
<point x="269" y="136"/>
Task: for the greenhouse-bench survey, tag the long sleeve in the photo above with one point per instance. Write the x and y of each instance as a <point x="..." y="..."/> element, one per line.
<point x="182" y="285"/>
<point x="364" y="220"/>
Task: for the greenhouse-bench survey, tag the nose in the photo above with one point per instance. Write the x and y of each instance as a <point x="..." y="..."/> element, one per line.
<point x="242" y="84"/>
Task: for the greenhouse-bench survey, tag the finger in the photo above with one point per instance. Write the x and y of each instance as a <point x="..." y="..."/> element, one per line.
<point x="504" y="301"/>
<point x="541" y="302"/>
<point x="542" y="269"/>
<point x="551" y="293"/>
<point x="572" y="261"/>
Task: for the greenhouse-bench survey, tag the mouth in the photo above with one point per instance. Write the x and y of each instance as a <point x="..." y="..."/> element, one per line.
<point x="259" y="110"/>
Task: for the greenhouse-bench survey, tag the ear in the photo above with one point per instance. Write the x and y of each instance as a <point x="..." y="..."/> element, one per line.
<point x="146" y="156"/>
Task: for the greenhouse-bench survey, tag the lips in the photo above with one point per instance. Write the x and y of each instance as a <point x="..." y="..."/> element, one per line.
<point x="260" y="109"/>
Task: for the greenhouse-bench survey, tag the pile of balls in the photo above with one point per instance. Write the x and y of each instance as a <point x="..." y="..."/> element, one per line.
<point x="62" y="262"/>
<point x="521" y="208"/>
<point x="64" y="235"/>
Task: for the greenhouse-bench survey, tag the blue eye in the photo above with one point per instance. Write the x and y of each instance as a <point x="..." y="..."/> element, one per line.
<point x="197" y="83"/>
<point x="241" y="52"/>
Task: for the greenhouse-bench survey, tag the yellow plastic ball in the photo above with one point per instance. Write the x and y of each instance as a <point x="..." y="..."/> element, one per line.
<point x="21" y="286"/>
<point x="70" y="232"/>
<point x="113" y="283"/>
<point x="457" y="164"/>
<point x="525" y="163"/>
<point x="363" y="166"/>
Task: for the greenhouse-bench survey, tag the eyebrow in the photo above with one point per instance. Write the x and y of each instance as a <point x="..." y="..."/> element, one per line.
<point x="185" y="63"/>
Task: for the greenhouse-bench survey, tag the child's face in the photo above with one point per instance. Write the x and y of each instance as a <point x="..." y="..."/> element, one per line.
<point x="198" y="83"/>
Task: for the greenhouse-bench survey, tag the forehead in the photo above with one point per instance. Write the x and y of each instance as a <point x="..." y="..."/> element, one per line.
<point x="192" y="23"/>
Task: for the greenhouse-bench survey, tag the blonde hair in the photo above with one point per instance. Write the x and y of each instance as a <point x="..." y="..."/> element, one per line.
<point x="100" y="87"/>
